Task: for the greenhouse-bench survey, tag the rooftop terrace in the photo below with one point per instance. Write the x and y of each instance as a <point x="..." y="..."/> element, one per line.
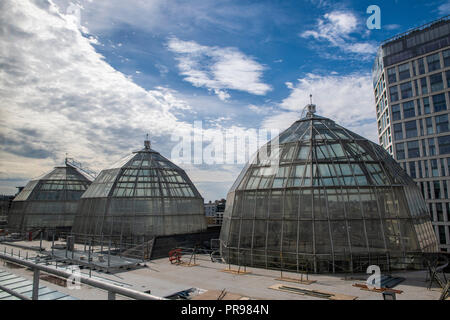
<point x="210" y="281"/>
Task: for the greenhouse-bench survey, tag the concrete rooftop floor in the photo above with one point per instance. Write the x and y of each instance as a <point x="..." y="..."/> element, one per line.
<point x="164" y="278"/>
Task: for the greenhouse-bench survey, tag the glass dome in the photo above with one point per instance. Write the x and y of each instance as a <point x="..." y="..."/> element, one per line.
<point x="143" y="195"/>
<point x="49" y="201"/>
<point x="326" y="200"/>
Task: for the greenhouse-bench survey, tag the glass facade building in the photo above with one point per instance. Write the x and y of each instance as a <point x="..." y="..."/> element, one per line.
<point x="324" y="200"/>
<point x="49" y="202"/>
<point x="411" y="81"/>
<point x="141" y="197"/>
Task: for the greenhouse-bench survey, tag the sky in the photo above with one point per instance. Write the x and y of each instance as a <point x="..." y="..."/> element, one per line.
<point x="89" y="79"/>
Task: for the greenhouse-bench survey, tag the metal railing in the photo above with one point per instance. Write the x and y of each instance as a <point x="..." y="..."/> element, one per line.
<point x="110" y="288"/>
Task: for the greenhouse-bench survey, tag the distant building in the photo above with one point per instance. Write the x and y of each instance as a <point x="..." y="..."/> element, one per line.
<point x="411" y="80"/>
<point x="214" y="212"/>
<point x="210" y="209"/>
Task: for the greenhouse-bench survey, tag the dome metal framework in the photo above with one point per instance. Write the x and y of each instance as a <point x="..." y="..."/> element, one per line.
<point x="50" y="201"/>
<point x="332" y="202"/>
<point x="140" y="197"/>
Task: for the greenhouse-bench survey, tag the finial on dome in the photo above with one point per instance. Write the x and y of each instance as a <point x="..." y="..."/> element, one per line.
<point x="311" y="108"/>
<point x="147" y="143"/>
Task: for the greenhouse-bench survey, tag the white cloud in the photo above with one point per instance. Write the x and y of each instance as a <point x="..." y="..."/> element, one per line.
<point x="346" y="99"/>
<point x="392" y="26"/>
<point x="175" y="16"/>
<point x="336" y="28"/>
<point x="218" y="69"/>
<point x="59" y="96"/>
<point x="444" y="8"/>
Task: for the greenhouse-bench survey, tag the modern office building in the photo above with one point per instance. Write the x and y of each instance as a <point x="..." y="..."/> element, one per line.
<point x="325" y="200"/>
<point x="411" y="80"/>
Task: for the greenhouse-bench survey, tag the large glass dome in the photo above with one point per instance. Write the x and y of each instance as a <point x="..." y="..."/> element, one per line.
<point x="49" y="201"/>
<point x="142" y="196"/>
<point x="326" y="200"/>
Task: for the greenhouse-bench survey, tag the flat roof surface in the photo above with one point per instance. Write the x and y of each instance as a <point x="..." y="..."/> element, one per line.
<point x="163" y="278"/>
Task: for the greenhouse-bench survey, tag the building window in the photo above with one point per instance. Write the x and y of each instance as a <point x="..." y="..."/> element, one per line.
<point x="392" y="76"/>
<point x="436" y="82"/>
<point x="435" y="173"/>
<point x="447" y="76"/>
<point x="431" y="147"/>
<point x="442" y="239"/>
<point x="429" y="123"/>
<point x="412" y="169"/>
<point x="398" y="132"/>
<point x="406" y="90"/>
<point x="433" y="62"/>
<point x="424" y="149"/>
<point x="396" y="112"/>
<point x="444" y="145"/>
<point x="426" y="176"/>
<point x="426" y="105"/>
<point x="403" y="71"/>
<point x="421" y="66"/>
<point x="446" y="55"/>
<point x="411" y="129"/>
<point x="393" y="91"/>
<point x="442" y="123"/>
<point x="400" y="148"/>
<point x="419" y="166"/>
<point x="439" y="210"/>
<point x="423" y="85"/>
<point x="413" y="149"/>
<point x="408" y="110"/>
<point x="439" y="102"/>
<point x="445" y="194"/>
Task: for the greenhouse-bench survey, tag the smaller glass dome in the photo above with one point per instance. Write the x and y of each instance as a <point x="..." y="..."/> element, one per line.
<point x="49" y="201"/>
<point x="142" y="195"/>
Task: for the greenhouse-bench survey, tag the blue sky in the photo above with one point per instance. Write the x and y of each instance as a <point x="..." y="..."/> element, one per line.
<point x="91" y="78"/>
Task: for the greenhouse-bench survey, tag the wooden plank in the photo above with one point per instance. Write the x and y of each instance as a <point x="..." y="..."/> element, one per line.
<point x="215" y="294"/>
<point x="315" y="293"/>
<point x="187" y="264"/>
<point x="380" y="290"/>
<point x="238" y="272"/>
<point x="287" y="279"/>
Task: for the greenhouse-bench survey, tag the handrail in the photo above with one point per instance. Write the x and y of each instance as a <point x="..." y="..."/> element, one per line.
<point x="111" y="288"/>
